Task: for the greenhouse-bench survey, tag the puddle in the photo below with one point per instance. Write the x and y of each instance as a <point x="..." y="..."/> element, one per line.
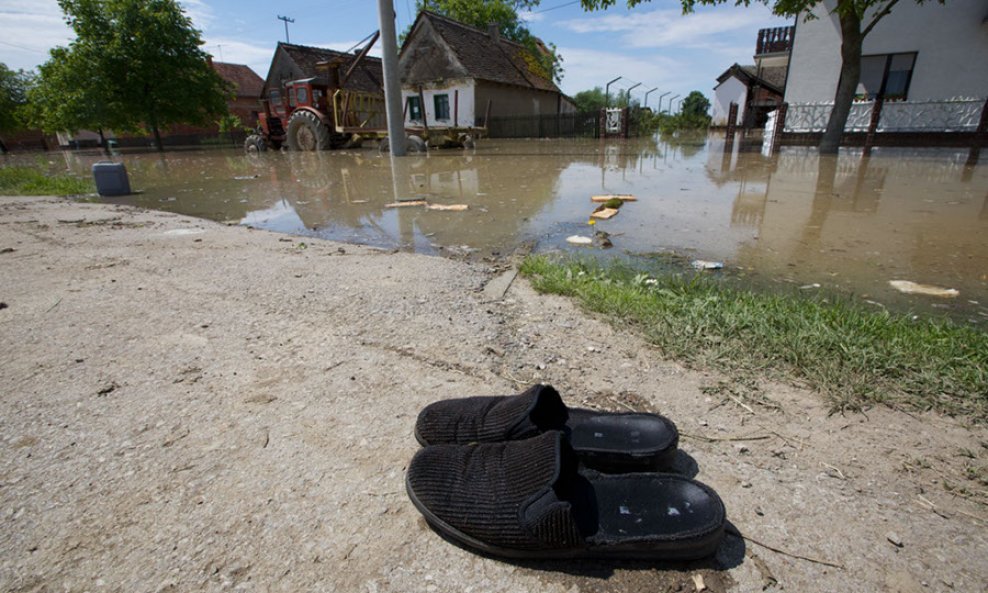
<point x="844" y="224"/>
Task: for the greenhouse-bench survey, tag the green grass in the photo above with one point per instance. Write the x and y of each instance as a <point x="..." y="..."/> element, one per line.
<point x="29" y="181"/>
<point x="854" y="356"/>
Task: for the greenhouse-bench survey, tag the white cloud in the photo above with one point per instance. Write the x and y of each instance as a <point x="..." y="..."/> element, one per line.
<point x="528" y="16"/>
<point x="28" y="29"/>
<point x="258" y="57"/>
<point x="664" y="28"/>
<point x="201" y="14"/>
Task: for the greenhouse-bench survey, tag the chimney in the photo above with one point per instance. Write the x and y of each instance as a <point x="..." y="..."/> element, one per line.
<point x="494" y="30"/>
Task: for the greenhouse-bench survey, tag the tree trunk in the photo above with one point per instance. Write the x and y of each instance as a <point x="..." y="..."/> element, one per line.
<point x="157" y="138"/>
<point x="102" y="141"/>
<point x="850" y="73"/>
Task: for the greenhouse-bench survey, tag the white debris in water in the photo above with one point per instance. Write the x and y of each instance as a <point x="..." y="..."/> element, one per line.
<point x="910" y="287"/>
<point x="700" y="264"/>
<point x="673" y="512"/>
<point x="579" y="240"/>
<point x="183" y="232"/>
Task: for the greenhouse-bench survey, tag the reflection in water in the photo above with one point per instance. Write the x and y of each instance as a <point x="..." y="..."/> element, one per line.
<point x="846" y="222"/>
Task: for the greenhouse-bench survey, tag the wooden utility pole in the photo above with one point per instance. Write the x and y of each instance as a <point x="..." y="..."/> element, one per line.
<point x="287" y="20"/>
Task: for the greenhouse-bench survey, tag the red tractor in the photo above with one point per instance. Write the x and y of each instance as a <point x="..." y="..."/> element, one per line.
<point x="319" y="113"/>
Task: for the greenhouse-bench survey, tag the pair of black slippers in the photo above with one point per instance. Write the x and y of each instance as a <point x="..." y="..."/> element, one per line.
<point x="523" y="476"/>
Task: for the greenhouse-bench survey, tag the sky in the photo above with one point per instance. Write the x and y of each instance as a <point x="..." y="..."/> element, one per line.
<point x="653" y="44"/>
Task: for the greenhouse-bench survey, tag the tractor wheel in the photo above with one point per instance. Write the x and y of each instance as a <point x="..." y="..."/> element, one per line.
<point x="306" y="132"/>
<point x="254" y="144"/>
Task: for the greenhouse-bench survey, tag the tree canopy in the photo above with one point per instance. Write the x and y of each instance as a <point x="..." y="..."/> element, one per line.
<point x="504" y="13"/>
<point x="857" y="19"/>
<point x="14" y="86"/>
<point x="695" y="105"/>
<point x="133" y="63"/>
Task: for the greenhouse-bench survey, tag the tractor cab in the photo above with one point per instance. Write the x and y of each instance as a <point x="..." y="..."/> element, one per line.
<point x="306" y="92"/>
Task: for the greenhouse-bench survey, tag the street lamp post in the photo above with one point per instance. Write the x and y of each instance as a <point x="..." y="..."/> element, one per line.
<point x="659" y="110"/>
<point x="650" y="91"/>
<point x="607" y="92"/>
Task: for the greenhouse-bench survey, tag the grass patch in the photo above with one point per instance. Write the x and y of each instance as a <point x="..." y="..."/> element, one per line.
<point x="28" y="181"/>
<point x="853" y="355"/>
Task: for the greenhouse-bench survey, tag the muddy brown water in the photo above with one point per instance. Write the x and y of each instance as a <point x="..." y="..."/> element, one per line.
<point x="847" y="224"/>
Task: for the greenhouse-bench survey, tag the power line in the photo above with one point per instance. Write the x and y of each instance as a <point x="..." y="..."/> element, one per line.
<point x="35" y="51"/>
<point x="556" y="7"/>
<point x="287" y="20"/>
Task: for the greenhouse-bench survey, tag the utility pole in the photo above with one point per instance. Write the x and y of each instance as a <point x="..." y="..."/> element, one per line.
<point x="287" y="20"/>
<point x="392" y="86"/>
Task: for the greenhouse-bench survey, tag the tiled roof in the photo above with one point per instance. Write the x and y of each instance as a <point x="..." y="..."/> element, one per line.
<point x="772" y="78"/>
<point x="487" y="58"/>
<point x="368" y="77"/>
<point x="245" y="80"/>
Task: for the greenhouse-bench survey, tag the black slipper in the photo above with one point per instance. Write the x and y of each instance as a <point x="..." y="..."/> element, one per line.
<point x="526" y="499"/>
<point x="606" y="441"/>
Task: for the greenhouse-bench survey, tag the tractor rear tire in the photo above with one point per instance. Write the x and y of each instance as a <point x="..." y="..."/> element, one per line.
<point x="306" y="132"/>
<point x="254" y="144"/>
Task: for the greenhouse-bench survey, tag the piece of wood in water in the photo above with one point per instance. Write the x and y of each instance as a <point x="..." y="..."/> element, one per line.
<point x="448" y="207"/>
<point x="604" y="213"/>
<point x="622" y="197"/>
<point x="409" y="203"/>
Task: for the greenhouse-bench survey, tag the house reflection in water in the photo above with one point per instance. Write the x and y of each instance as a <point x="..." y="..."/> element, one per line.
<point x="857" y="222"/>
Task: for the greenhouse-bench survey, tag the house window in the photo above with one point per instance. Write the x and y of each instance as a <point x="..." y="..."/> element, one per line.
<point x="414" y="109"/>
<point x="441" y="103"/>
<point x="886" y="75"/>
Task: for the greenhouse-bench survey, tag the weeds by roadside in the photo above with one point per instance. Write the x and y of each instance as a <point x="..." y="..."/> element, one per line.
<point x="28" y="181"/>
<point x="854" y="356"/>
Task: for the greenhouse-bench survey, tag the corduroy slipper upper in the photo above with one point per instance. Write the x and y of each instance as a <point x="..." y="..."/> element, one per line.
<point x="606" y="441"/>
<point x="526" y="499"/>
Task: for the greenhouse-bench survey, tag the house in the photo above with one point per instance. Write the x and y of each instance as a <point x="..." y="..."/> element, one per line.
<point x="758" y="88"/>
<point x="297" y="62"/>
<point x="915" y="53"/>
<point x="247" y="85"/>
<point x="456" y="75"/>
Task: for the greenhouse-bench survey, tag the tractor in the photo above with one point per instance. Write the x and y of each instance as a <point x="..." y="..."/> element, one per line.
<point x="318" y="113"/>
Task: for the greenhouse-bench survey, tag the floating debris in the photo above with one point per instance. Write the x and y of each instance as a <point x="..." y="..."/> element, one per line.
<point x="604" y="213"/>
<point x="701" y="264"/>
<point x="910" y="287"/>
<point x="810" y="286"/>
<point x="609" y="197"/>
<point x="246" y="177"/>
<point x="447" y="207"/>
<point x="406" y="203"/>
<point x="579" y="240"/>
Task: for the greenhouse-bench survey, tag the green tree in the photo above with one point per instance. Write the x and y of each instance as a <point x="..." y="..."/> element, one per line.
<point x="481" y="13"/>
<point x="695" y="105"/>
<point x="857" y="19"/>
<point x="133" y="63"/>
<point x="14" y="87"/>
<point x="591" y="100"/>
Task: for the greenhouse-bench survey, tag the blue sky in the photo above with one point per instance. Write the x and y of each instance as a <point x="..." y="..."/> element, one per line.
<point x="653" y="44"/>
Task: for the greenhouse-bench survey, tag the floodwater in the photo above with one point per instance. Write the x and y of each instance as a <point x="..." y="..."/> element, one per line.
<point x="847" y="224"/>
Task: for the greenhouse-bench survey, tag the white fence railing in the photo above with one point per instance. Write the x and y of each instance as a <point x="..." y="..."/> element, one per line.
<point x="951" y="115"/>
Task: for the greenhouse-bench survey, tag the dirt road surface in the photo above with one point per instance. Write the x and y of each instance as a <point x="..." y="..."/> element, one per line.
<point x="188" y="406"/>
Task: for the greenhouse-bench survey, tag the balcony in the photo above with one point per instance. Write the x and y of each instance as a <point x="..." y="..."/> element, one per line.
<point x="775" y="40"/>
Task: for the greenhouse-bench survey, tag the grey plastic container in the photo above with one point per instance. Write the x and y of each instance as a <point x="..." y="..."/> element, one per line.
<point x="111" y="179"/>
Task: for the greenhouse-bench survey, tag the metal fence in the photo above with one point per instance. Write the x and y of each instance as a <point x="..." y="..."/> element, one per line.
<point x="563" y="125"/>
